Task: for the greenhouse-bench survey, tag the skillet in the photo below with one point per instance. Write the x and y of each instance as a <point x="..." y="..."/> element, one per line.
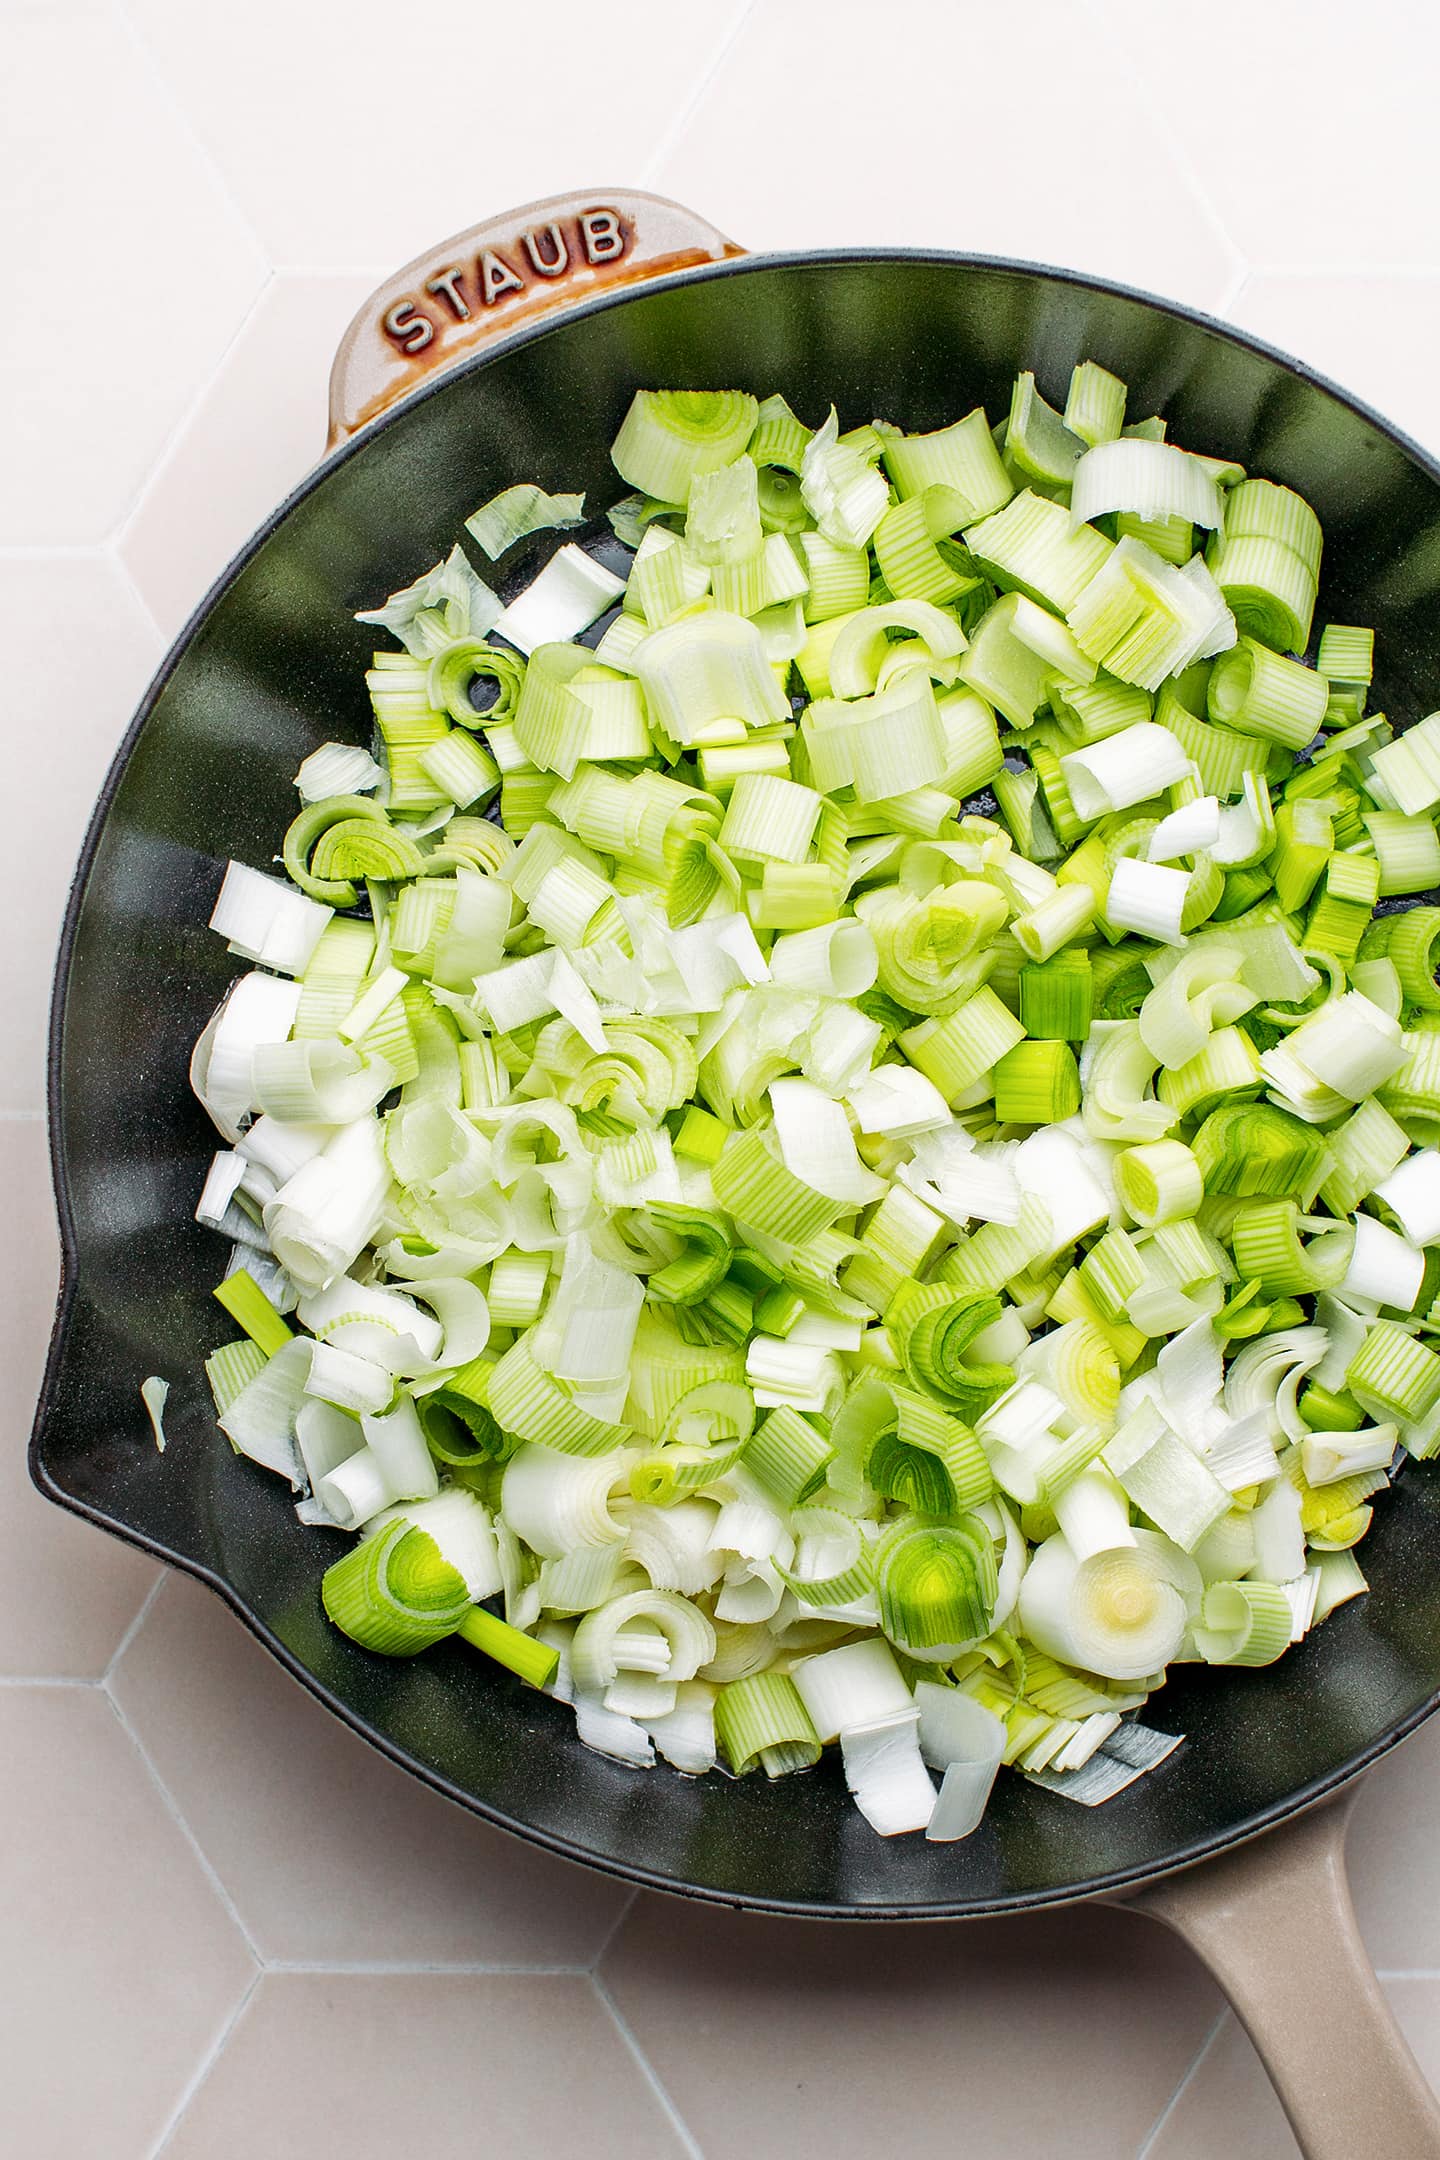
<point x="508" y="353"/>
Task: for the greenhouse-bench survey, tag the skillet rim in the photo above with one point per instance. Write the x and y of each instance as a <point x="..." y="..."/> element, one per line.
<point x="1108" y="1887"/>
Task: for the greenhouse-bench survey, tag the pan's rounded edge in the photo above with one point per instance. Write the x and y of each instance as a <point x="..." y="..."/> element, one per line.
<point x="1111" y="1886"/>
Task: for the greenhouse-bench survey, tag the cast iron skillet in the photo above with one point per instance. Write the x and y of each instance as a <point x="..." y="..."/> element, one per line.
<point x="272" y="664"/>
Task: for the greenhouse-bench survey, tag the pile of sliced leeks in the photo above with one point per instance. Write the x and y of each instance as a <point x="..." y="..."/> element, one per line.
<point x="779" y="1258"/>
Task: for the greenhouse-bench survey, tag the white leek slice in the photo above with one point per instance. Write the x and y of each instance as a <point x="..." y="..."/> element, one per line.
<point x="1329" y="1456"/>
<point x="1051" y="1166"/>
<point x="518" y="511"/>
<point x="686" y="1735"/>
<point x="1384" y="1269"/>
<point x="965" y="1742"/>
<point x="568" y="595"/>
<point x="588" y="1330"/>
<point x="1412" y="1194"/>
<point x="323" y="1217"/>
<point x="888" y="1780"/>
<point x="1149" y="898"/>
<point x="1127" y="768"/>
<point x="395" y="1439"/>
<point x="817" y="1146"/>
<point x="1151" y="480"/>
<point x="265" y="919"/>
<point x="853" y="1687"/>
<point x="1185" y="831"/>
<point x="1121" y="1613"/>
<point x="337" y="769"/>
<point x="256" y="1010"/>
<point x="378" y="1323"/>
<point x="261" y="1420"/>
<point x="556" y="1501"/>
<point x="463" y="1531"/>
<point x="899" y="1103"/>
<point x="222" y="1182"/>
<point x="355" y="1490"/>
<point x="707" y="668"/>
<point x="609" y="1733"/>
<point x="349" y="1382"/>
<point x="154" y="1393"/>
<point x="326" y="1437"/>
<point x="846" y="496"/>
<point x="447" y="602"/>
<point x="675" y="1545"/>
<point x="1279" y="1538"/>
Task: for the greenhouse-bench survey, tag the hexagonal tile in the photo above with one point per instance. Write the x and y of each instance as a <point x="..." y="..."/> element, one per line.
<point x="79" y="699"/>
<point x="858" y="2039"/>
<point x="127" y="266"/>
<point x="1286" y="66"/>
<point x="123" y="1965"/>
<point x="1229" y="2106"/>
<point x="67" y="1592"/>
<point x="969" y="167"/>
<point x="258" y="428"/>
<point x="1394" y="1867"/>
<point x="506" y="2067"/>
<point x="333" y="1855"/>
<point x="1363" y="330"/>
<point x="382" y="136"/>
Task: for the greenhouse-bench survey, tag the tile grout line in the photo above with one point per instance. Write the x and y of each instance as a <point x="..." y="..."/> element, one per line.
<point x="1169" y="145"/>
<point x="135" y="1625"/>
<point x="648" y="2071"/>
<point x="612" y="1931"/>
<point x="122" y="568"/>
<point x="384" y="1969"/>
<point x="675" y="133"/>
<point x="226" y="1900"/>
<point x="33" y="1680"/>
<point x="124" y="525"/>
<point x="204" y="2068"/>
<point x="1239" y="285"/>
<point x="1148" y="2142"/>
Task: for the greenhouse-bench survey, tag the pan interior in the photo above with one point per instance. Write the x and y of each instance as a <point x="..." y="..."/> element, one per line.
<point x="272" y="666"/>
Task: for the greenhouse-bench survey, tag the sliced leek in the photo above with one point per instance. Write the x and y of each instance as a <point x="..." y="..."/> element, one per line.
<point x="773" y="1252"/>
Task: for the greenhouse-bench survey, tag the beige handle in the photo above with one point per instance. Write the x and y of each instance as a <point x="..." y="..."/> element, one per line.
<point x="1273" y="1921"/>
<point x="501" y="276"/>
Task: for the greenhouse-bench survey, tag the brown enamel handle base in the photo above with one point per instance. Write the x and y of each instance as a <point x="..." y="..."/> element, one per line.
<point x="502" y="276"/>
<point x="1274" y="1922"/>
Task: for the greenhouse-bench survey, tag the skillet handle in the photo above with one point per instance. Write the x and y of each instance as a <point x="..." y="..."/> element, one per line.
<point x="1273" y="1921"/>
<point x="502" y="276"/>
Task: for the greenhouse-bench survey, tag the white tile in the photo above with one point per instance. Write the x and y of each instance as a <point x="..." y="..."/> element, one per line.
<point x="383" y="132"/>
<point x="1392" y="1857"/>
<point x="126" y="270"/>
<point x="78" y="653"/>
<point x="67" y="1591"/>
<point x="331" y="1854"/>
<point x="258" y="427"/>
<point x="1229" y="2107"/>
<point x="784" y="2040"/>
<point x="1311" y="123"/>
<point x="121" y="1968"/>
<point x="1367" y="331"/>
<point x="833" y="125"/>
<point x="369" y="2067"/>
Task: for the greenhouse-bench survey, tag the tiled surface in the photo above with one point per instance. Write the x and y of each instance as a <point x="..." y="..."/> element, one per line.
<point x="190" y="204"/>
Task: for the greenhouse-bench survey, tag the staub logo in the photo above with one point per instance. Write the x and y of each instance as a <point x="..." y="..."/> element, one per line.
<point x="461" y="291"/>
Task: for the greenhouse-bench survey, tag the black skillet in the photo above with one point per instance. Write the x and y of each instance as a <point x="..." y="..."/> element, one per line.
<point x="511" y="353"/>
